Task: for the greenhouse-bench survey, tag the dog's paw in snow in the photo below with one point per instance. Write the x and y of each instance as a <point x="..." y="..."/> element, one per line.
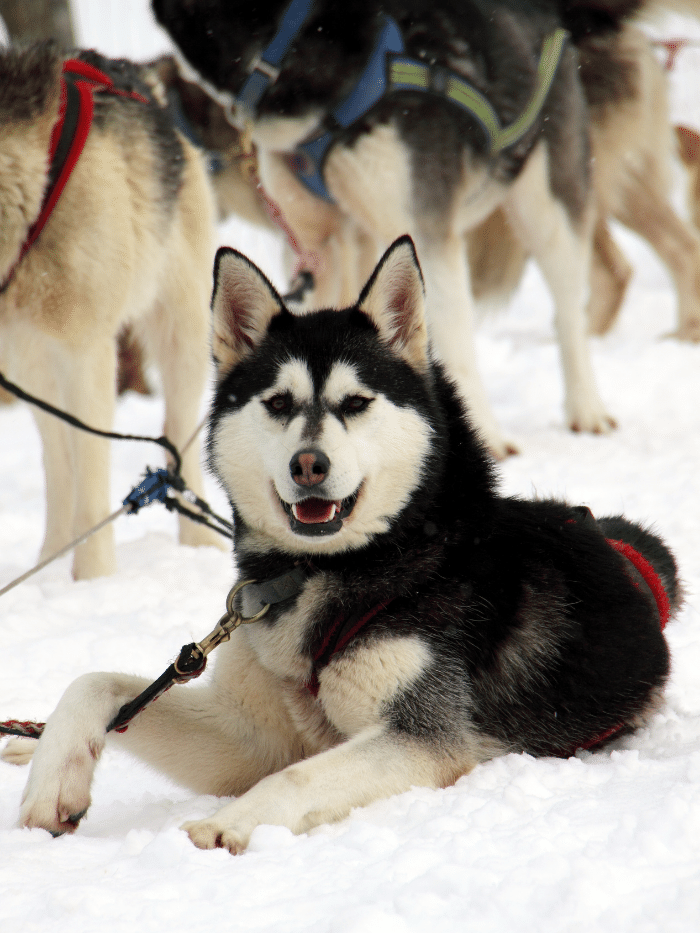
<point x="57" y="800"/>
<point x="208" y="834"/>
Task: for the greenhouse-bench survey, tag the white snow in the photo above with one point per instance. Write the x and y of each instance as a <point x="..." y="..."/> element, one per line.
<point x="605" y="842"/>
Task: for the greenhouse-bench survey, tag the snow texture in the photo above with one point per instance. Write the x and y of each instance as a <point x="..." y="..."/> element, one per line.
<point x="605" y="842"/>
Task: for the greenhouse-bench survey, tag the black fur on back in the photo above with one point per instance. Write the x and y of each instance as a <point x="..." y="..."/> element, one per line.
<point x="541" y="635"/>
<point x="126" y="116"/>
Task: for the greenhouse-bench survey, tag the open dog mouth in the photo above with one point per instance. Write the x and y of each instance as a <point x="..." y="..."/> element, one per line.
<point x="315" y="517"/>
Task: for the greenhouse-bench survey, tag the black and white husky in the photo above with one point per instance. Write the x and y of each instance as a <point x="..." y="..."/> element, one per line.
<point x="418" y="622"/>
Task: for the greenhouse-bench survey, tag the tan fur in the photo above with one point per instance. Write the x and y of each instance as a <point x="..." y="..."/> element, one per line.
<point x="110" y="254"/>
<point x="633" y="144"/>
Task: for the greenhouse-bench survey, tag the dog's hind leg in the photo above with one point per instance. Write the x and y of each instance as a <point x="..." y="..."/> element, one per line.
<point x="179" y="348"/>
<point x="610" y="276"/>
<point x="646" y="209"/>
<point x="563" y="254"/>
<point x="176" y="331"/>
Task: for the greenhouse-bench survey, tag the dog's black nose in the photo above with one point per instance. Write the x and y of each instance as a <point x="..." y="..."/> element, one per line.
<point x="309" y="467"/>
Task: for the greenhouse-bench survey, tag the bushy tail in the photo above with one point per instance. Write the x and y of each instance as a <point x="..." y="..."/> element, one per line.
<point x="652" y="549"/>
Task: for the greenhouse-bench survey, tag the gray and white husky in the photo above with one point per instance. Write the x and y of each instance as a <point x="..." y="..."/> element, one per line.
<point x="418" y="623"/>
<point x="374" y="119"/>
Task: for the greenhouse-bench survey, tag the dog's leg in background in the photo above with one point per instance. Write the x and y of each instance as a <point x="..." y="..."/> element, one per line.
<point x="90" y="380"/>
<point x="36" y="364"/>
<point x="563" y="254"/>
<point x="177" y="339"/>
<point x="610" y="276"/>
<point x="80" y="380"/>
<point x="452" y="327"/>
<point x="646" y="209"/>
<point x="176" y="332"/>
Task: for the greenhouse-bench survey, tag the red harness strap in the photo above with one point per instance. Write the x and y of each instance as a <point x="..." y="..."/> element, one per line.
<point x="79" y="81"/>
<point x="650" y="576"/>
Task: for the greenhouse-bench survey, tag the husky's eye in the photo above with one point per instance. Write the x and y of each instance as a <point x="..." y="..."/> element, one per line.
<point x="279" y="404"/>
<point x="354" y="404"/>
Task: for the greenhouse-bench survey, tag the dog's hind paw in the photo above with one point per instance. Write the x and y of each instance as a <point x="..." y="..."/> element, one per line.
<point x="19" y="751"/>
<point x="207" y="834"/>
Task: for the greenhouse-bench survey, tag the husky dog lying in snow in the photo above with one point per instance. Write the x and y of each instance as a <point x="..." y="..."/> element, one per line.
<point x="129" y="241"/>
<point x="418" y="623"/>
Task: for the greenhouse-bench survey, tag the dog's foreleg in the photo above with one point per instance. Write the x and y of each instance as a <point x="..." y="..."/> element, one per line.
<point x="562" y="252"/>
<point x="57" y="794"/>
<point x="217" y="739"/>
<point x="90" y="385"/>
<point x="372" y="765"/>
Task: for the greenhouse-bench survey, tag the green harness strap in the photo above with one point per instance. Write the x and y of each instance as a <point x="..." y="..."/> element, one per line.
<point x="408" y="74"/>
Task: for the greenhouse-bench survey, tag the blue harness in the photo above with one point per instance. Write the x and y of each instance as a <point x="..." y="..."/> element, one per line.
<point x="388" y="71"/>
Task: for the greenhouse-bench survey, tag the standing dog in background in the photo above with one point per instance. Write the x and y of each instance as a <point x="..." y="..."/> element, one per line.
<point x="129" y="241"/>
<point x="474" y="106"/>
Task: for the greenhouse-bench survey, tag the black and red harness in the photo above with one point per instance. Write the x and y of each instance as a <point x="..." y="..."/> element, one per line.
<point x="79" y="83"/>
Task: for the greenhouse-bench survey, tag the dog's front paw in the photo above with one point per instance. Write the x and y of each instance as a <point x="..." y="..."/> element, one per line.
<point x="208" y="834"/>
<point x="57" y="795"/>
<point x="59" y="811"/>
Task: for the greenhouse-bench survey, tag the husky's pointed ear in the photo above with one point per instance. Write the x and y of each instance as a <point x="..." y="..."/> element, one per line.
<point x="393" y="299"/>
<point x="243" y="304"/>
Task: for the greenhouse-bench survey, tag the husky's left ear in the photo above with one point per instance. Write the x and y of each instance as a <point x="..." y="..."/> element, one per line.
<point x="243" y="304"/>
<point x="393" y="299"/>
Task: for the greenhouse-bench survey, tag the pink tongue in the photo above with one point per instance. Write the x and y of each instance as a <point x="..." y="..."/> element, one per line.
<point x="314" y="511"/>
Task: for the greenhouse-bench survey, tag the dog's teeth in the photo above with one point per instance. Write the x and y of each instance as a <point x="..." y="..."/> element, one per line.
<point x="295" y="512"/>
<point x="334" y="509"/>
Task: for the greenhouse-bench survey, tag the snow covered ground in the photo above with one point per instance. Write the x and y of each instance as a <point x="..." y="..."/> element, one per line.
<point x="604" y="842"/>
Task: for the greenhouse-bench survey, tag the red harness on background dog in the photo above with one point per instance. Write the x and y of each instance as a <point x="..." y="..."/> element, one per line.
<point x="79" y="81"/>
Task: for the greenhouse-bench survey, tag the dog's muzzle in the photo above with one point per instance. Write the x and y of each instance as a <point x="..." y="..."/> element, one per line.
<point x="315" y="515"/>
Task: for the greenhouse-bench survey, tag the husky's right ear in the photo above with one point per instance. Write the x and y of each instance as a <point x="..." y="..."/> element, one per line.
<point x="243" y="304"/>
<point x="393" y="300"/>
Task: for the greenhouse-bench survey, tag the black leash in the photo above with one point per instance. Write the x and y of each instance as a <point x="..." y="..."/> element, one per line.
<point x="153" y="487"/>
<point x="192" y="659"/>
<point x="77" y="423"/>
